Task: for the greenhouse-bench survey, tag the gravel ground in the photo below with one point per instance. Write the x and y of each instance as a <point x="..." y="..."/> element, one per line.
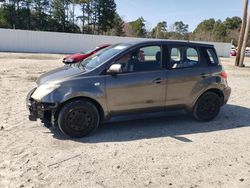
<point x="173" y="151"/>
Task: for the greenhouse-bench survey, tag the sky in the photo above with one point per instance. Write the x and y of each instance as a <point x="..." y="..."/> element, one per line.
<point x="191" y="12"/>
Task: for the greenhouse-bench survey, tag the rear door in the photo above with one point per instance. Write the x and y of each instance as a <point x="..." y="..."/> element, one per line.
<point x="186" y="75"/>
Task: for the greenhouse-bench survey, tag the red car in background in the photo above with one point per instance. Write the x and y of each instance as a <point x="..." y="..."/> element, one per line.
<point x="233" y="53"/>
<point x="74" y="58"/>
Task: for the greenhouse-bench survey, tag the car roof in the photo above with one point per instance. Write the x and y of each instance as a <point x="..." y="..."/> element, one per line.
<point x="171" y="42"/>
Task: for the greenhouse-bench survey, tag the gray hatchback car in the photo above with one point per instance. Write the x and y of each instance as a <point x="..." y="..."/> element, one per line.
<point x="129" y="78"/>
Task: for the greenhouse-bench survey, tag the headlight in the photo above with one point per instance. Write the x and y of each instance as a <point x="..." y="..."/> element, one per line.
<point x="68" y="60"/>
<point x="44" y="90"/>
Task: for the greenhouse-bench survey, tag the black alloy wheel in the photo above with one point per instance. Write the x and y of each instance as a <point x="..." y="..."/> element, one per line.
<point x="207" y="107"/>
<point x="78" y="118"/>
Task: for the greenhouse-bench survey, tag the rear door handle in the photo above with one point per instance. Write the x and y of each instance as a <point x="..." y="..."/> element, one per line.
<point x="158" y="81"/>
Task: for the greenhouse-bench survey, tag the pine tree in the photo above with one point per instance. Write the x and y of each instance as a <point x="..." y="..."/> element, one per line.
<point x="106" y="15"/>
<point x="59" y="13"/>
<point x="118" y="29"/>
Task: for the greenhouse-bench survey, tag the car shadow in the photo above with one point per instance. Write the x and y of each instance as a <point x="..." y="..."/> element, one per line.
<point x="175" y="125"/>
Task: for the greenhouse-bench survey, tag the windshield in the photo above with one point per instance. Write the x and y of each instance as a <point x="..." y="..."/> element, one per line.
<point x="102" y="56"/>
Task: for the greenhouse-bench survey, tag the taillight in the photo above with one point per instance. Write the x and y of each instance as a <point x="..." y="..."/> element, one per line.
<point x="223" y="74"/>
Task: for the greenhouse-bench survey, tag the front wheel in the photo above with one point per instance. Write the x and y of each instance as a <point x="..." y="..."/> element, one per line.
<point x="78" y="118"/>
<point x="207" y="107"/>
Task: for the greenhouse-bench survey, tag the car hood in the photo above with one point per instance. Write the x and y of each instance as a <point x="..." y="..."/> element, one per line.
<point x="59" y="74"/>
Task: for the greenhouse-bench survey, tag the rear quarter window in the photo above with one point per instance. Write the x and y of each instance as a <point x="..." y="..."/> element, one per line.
<point x="213" y="58"/>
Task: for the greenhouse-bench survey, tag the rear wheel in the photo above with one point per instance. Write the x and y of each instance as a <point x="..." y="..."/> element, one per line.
<point x="78" y="118"/>
<point x="207" y="107"/>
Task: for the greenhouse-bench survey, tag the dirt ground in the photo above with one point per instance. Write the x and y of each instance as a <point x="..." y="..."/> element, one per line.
<point x="173" y="151"/>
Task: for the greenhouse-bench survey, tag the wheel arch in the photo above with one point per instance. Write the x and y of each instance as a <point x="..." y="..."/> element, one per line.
<point x="93" y="101"/>
<point x="218" y="92"/>
<point x="209" y="115"/>
<point x="213" y="90"/>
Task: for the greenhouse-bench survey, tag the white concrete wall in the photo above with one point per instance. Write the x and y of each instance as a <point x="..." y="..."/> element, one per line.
<point x="53" y="42"/>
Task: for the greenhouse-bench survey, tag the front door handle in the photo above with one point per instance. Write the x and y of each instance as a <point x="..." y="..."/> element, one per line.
<point x="158" y="81"/>
<point x="205" y="75"/>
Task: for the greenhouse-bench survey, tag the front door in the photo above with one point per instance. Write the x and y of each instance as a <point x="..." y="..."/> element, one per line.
<point x="141" y="86"/>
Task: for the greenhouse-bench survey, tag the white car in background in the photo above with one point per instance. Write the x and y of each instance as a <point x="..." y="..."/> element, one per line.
<point x="234" y="51"/>
<point x="247" y="52"/>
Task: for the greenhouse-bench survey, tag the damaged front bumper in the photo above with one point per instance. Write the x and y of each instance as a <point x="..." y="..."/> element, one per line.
<point x="39" y="110"/>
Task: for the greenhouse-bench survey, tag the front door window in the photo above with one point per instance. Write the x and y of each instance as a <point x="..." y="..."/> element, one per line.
<point x="141" y="60"/>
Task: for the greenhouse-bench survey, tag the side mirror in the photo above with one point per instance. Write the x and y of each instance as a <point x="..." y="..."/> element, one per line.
<point x="115" y="69"/>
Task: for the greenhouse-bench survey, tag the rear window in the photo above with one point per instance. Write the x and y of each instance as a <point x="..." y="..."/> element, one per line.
<point x="212" y="57"/>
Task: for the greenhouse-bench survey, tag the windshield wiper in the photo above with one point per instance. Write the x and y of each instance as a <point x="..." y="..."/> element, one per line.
<point x="82" y="67"/>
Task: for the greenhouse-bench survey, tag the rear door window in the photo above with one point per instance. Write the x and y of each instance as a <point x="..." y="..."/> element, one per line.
<point x="175" y="54"/>
<point x="192" y="55"/>
<point x="183" y="57"/>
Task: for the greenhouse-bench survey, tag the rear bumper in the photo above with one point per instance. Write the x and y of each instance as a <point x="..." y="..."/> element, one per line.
<point x="38" y="110"/>
<point x="227" y="93"/>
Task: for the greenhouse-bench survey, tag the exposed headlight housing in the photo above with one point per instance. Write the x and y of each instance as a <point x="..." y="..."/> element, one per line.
<point x="43" y="90"/>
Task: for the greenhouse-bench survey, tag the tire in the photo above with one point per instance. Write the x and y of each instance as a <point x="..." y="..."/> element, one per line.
<point x="207" y="107"/>
<point x="78" y="118"/>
